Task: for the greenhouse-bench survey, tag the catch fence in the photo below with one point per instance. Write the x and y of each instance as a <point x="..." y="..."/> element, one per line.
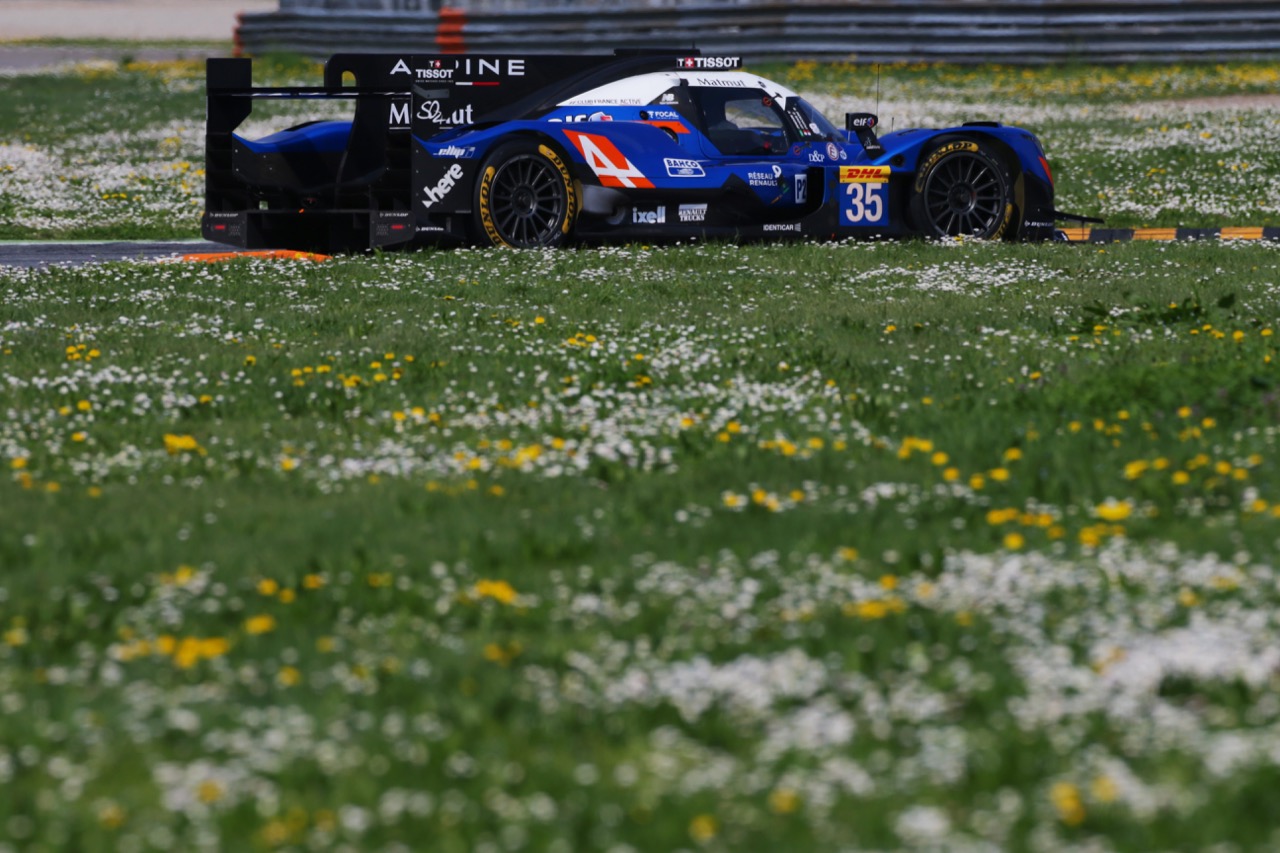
<point x="965" y="31"/>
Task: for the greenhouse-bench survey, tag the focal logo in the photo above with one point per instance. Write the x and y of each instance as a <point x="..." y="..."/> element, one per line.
<point x="693" y="212"/>
<point x="657" y="216"/>
<point x="433" y="112"/>
<point x="678" y="168"/>
<point x="437" y="193"/>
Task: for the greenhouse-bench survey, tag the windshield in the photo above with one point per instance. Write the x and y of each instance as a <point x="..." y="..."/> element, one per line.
<point x="811" y="123"/>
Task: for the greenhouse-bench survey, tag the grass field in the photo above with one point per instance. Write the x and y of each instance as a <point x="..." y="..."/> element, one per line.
<point x="955" y="546"/>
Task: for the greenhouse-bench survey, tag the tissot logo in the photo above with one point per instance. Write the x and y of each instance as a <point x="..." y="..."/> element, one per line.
<point x="649" y="217"/>
<point x="710" y="62"/>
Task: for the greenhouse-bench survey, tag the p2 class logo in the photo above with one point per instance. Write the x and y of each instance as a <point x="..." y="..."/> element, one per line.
<point x="802" y="189"/>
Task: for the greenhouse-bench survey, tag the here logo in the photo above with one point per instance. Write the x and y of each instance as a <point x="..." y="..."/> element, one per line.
<point x="443" y="186"/>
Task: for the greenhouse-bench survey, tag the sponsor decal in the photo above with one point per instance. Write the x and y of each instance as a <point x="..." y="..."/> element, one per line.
<point x="437" y="193"/>
<point x="864" y="203"/>
<point x="657" y="216"/>
<point x="833" y="151"/>
<point x="659" y="115"/>
<point x="732" y="82"/>
<point x="401" y="67"/>
<point x="765" y="179"/>
<point x="938" y="154"/>
<point x="802" y="189"/>
<point x="399" y="118"/>
<point x="571" y="194"/>
<point x="610" y="165"/>
<point x="486" y="208"/>
<point x="597" y="116"/>
<point x="865" y="120"/>
<point x="457" y="152"/>
<point x="679" y="168"/>
<point x="472" y="67"/>
<point x="433" y="112"/>
<point x="709" y="62"/>
<point x="864" y="174"/>
<point x="782" y="226"/>
<point x="692" y="212"/>
<point x="668" y="98"/>
<point x="816" y="157"/>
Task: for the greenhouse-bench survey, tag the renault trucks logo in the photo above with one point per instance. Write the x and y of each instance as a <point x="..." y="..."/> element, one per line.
<point x="721" y="63"/>
<point x="443" y="186"/>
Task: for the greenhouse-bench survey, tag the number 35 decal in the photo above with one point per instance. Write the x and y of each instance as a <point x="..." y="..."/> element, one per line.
<point x="863" y="204"/>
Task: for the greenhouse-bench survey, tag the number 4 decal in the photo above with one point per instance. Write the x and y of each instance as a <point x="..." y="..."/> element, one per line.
<point x="610" y="165"/>
<point x="863" y="204"/>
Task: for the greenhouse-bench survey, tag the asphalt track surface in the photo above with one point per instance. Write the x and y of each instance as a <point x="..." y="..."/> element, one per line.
<point x="76" y="253"/>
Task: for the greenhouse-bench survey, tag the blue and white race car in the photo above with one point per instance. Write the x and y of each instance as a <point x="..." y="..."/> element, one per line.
<point x="538" y="151"/>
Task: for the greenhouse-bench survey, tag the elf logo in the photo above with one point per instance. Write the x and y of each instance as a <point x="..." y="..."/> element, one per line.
<point x="443" y="186"/>
<point x="649" y="217"/>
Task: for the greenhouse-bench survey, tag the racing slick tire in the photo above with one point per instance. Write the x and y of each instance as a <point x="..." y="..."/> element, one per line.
<point x="525" y="198"/>
<point x="963" y="188"/>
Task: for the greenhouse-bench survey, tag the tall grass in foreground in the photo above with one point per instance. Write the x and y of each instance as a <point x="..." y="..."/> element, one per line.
<point x="819" y="547"/>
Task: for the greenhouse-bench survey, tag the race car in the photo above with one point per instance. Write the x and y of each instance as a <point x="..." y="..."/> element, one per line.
<point x="535" y="151"/>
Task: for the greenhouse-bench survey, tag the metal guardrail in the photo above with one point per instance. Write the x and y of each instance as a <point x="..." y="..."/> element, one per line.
<point x="970" y="31"/>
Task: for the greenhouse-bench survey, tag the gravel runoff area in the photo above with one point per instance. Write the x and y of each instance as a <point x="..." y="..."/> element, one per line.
<point x="207" y="21"/>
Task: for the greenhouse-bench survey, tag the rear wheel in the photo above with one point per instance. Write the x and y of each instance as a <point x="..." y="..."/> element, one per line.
<point x="525" y="198"/>
<point x="963" y="189"/>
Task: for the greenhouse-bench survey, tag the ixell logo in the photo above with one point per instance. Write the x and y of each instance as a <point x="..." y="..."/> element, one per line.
<point x="433" y="112"/>
<point x="649" y="217"/>
<point x="443" y="186"/>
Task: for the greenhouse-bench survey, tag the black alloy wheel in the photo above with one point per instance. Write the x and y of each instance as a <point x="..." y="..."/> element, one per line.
<point x="525" y="198"/>
<point x="961" y="190"/>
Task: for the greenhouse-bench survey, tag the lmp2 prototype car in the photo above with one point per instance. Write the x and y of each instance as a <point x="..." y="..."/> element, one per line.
<point x="540" y="150"/>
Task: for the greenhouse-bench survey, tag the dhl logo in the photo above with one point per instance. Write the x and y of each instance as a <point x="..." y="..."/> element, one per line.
<point x="864" y="174"/>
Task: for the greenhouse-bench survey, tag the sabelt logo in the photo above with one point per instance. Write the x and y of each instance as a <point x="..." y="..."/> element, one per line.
<point x="443" y="186"/>
<point x="864" y="174"/>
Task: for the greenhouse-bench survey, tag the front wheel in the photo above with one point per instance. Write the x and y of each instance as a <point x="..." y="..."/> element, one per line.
<point x="525" y="198"/>
<point x="962" y="189"/>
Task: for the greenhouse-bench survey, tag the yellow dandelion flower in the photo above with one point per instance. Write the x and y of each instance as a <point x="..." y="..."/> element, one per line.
<point x="783" y="801"/>
<point x="1066" y="801"/>
<point x="703" y="828"/>
<point x="263" y="623"/>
